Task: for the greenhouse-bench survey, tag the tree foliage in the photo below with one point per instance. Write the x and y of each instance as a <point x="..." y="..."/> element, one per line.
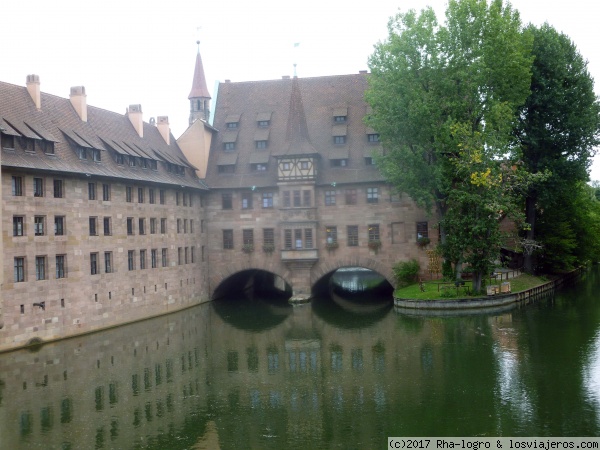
<point x="444" y="100"/>
<point x="558" y="128"/>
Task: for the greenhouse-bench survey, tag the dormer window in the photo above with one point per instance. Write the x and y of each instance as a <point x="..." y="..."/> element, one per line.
<point x="374" y="137"/>
<point x="81" y="153"/>
<point x="259" y="167"/>
<point x="340" y="115"/>
<point x="8" y="141"/>
<point x="230" y="168"/>
<point x="153" y="164"/>
<point x="131" y="161"/>
<point x="261" y="144"/>
<point x="263" y="123"/>
<point x="232" y="125"/>
<point x="119" y="159"/>
<point x="47" y="147"/>
<point x="339" y="162"/>
<point x="229" y="146"/>
<point x="27" y="144"/>
<point x="339" y="119"/>
<point x="96" y="155"/>
<point x="339" y="140"/>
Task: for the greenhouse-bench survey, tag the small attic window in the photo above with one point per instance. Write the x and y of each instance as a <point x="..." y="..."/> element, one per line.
<point x="229" y="146"/>
<point x="47" y="147"/>
<point x="96" y="155"/>
<point x="263" y="123"/>
<point x="81" y="153"/>
<point x="119" y="159"/>
<point x="340" y="115"/>
<point x="261" y="144"/>
<point x="232" y="125"/>
<point x="8" y="141"/>
<point x="373" y="137"/>
<point x="339" y="119"/>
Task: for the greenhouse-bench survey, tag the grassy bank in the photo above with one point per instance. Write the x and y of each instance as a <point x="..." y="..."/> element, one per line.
<point x="432" y="292"/>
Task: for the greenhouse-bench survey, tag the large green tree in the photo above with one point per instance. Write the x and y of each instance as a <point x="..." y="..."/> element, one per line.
<point x="444" y="99"/>
<point x="558" y="128"/>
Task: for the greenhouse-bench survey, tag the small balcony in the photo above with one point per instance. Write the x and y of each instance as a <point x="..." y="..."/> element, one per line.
<point x="301" y="254"/>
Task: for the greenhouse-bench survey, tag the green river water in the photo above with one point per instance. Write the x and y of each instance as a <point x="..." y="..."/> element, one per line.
<point x="254" y="374"/>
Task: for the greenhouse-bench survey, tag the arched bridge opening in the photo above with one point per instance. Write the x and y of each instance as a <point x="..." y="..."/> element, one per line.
<point x="251" y="283"/>
<point x="354" y="282"/>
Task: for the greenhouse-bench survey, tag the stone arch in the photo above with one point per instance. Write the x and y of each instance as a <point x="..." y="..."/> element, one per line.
<point x="218" y="276"/>
<point x="330" y="265"/>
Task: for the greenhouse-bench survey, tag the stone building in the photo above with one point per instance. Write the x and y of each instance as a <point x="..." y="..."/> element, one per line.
<point x="294" y="190"/>
<point x="101" y="217"/>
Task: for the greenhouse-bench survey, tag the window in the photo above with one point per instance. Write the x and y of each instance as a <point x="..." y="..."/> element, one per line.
<point x="178" y="226"/>
<point x="185" y="225"/>
<point x="248" y="237"/>
<point x="339" y="119"/>
<point x="94" y="264"/>
<point x="8" y="141"/>
<point x="151" y="198"/>
<point x="191" y="200"/>
<point x="261" y="144"/>
<point x="227" y="239"/>
<point x="19" y="269"/>
<point x="192" y="260"/>
<point x="58" y="189"/>
<point x="297" y="239"/>
<point x="106" y="192"/>
<point x="373" y="137"/>
<point x="164" y="255"/>
<point x="179" y="255"/>
<point x="130" y="226"/>
<point x="40" y="268"/>
<point x="140" y="195"/>
<point x="131" y="260"/>
<point x="142" y="259"/>
<point x="96" y="155"/>
<point x="331" y="235"/>
<point x="232" y="125"/>
<point x="350" y="196"/>
<point x="352" y="235"/>
<point x="297" y="201"/>
<point x="369" y="161"/>
<point x="374" y="233"/>
<point x="128" y="194"/>
<point x="17" y="186"/>
<point x="304" y="165"/>
<point x="286" y="199"/>
<point x="229" y="146"/>
<point x="18" y="226"/>
<point x="422" y="230"/>
<point x="59" y="225"/>
<point x="306" y="198"/>
<point x="287" y="239"/>
<point x="38" y="187"/>
<point x="163" y="226"/>
<point x="39" y="225"/>
<point x="372" y="195"/>
<point x="81" y="153"/>
<point x="229" y="168"/>
<point x="227" y="200"/>
<point x="108" y="262"/>
<point x="269" y="236"/>
<point x="259" y="167"/>
<point x="338" y="140"/>
<point x="308" y="238"/>
<point x="186" y="251"/>
<point x="329" y="198"/>
<point x="191" y="225"/>
<point x="177" y="198"/>
<point x="141" y="226"/>
<point x="267" y="200"/>
<point x="153" y="258"/>
<point x="161" y="196"/>
<point x="107" y="228"/>
<point x="246" y="200"/>
<point x="93" y="226"/>
<point x="131" y="161"/>
<point x="119" y="159"/>
<point x="61" y="266"/>
<point x="92" y="191"/>
<point x="201" y="225"/>
<point x="263" y="123"/>
<point x="153" y="225"/>
<point x="339" y="162"/>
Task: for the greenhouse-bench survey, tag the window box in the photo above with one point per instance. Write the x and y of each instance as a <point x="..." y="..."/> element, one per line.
<point x="423" y="241"/>
<point x="374" y="245"/>
<point x="268" y="248"/>
<point x="247" y="248"/>
<point x="331" y="245"/>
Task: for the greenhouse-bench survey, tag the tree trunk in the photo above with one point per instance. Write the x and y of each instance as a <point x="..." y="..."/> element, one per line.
<point x="530" y="202"/>
<point x="477" y="278"/>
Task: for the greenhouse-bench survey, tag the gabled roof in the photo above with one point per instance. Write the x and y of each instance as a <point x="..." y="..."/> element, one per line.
<point x="300" y="114"/>
<point x="58" y="122"/>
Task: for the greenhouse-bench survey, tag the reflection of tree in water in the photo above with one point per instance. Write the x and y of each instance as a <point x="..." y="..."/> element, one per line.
<point x="256" y="314"/>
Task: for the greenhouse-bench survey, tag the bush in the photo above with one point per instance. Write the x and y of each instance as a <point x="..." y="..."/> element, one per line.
<point x="406" y="272"/>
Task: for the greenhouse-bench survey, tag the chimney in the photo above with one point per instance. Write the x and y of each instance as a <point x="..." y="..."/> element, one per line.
<point x="162" y="123"/>
<point x="134" y="112"/>
<point x="79" y="102"/>
<point x="33" y="87"/>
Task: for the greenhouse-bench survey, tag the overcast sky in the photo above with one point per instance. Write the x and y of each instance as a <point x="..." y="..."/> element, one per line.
<point x="131" y="51"/>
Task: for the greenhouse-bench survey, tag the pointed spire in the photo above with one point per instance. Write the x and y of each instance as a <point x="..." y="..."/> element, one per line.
<point x="199" y="89"/>
<point x="199" y="96"/>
